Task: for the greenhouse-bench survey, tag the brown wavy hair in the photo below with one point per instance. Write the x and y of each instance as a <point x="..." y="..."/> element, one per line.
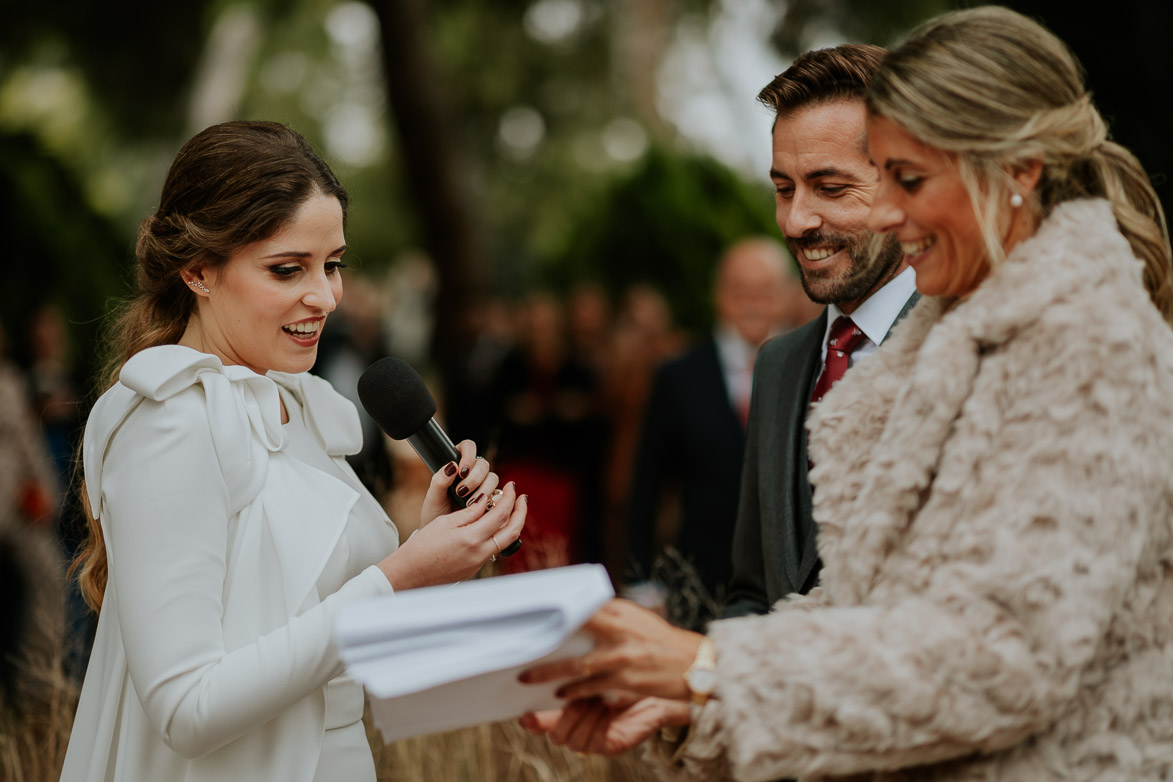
<point x="823" y="76"/>
<point x="230" y="185"/>
<point x="999" y="91"/>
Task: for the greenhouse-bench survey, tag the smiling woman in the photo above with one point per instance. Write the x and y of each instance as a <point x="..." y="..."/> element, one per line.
<point x="272" y="297"/>
<point x="226" y="528"/>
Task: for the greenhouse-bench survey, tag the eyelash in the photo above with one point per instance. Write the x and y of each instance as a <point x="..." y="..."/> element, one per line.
<point x="910" y="183"/>
<point x="827" y="190"/>
<point x="287" y="271"/>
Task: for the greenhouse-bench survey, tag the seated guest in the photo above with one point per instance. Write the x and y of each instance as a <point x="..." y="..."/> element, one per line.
<point x="992" y="487"/>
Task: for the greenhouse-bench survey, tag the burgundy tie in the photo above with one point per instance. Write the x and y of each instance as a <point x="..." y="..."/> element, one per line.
<point x="845" y="338"/>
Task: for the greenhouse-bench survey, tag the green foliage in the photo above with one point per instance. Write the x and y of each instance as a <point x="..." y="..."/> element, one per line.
<point x="58" y="250"/>
<point x="138" y="55"/>
<point x="666" y="224"/>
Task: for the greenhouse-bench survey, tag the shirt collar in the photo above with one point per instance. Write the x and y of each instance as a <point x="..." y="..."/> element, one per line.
<point x="878" y="312"/>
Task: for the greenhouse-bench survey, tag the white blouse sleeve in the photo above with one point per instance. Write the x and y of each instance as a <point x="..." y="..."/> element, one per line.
<point x="167" y="523"/>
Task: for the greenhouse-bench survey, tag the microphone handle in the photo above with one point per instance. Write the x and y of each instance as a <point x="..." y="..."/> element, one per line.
<point x="435" y="448"/>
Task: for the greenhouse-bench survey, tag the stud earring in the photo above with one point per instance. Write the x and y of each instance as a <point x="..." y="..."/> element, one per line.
<point x="198" y="284"/>
<point x="1016" y="200"/>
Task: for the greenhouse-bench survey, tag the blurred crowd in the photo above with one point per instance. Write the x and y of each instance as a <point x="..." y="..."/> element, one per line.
<point x="555" y="387"/>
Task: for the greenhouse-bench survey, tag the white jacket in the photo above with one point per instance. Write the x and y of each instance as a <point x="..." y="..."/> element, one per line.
<point x="213" y="647"/>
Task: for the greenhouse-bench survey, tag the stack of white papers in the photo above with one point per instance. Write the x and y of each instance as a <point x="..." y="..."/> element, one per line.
<point x="445" y="657"/>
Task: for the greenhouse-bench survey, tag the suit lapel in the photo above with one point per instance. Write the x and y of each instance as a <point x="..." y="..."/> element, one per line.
<point x="794" y="380"/>
<point x="712" y="384"/>
<point x="810" y="552"/>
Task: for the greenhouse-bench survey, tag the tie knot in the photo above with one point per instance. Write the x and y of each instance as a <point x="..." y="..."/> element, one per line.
<point x="845" y="336"/>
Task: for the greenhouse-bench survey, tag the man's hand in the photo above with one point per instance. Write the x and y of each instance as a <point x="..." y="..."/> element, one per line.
<point x="607" y="728"/>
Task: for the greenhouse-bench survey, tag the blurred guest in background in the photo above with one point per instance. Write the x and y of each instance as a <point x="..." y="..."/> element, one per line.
<point x="644" y="336"/>
<point x="992" y="487"/>
<point x="590" y="326"/>
<point x="694" y="426"/>
<point x="29" y="482"/>
<point x="488" y="336"/>
<point x="549" y="437"/>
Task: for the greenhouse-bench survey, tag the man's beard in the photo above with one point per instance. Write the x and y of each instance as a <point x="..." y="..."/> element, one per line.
<point x="874" y="257"/>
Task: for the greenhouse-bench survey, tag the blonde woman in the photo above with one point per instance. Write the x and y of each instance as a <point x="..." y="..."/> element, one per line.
<point x="993" y="488"/>
<point x="226" y="526"/>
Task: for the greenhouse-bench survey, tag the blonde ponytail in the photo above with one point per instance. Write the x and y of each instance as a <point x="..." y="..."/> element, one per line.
<point x="999" y="92"/>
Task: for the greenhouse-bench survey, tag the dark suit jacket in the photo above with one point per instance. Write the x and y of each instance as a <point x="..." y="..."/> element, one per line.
<point x="693" y="442"/>
<point x="774" y="552"/>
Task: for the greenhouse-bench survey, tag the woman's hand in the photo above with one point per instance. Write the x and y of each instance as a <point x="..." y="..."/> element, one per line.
<point x="471" y="472"/>
<point x="607" y="727"/>
<point x="455" y="545"/>
<point x="635" y="651"/>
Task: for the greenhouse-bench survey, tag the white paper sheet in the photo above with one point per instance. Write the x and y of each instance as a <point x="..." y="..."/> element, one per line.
<point x="445" y="657"/>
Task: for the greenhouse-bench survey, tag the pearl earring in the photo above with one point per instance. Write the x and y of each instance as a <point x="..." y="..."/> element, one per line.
<point x="1016" y="200"/>
<point x="198" y="284"/>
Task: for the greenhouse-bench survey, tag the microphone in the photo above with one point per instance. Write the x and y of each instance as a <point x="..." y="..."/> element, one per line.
<point x="395" y="396"/>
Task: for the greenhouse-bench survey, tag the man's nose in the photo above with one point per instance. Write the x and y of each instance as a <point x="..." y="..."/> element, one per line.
<point x="802" y="217"/>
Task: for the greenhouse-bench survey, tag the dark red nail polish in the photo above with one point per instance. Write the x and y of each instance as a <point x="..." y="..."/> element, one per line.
<point x="463" y="472"/>
<point x="450" y="469"/>
<point x="461" y="491"/>
<point x="478" y="498"/>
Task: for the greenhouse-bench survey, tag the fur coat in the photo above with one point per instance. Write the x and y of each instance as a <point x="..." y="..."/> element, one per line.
<point x="994" y="495"/>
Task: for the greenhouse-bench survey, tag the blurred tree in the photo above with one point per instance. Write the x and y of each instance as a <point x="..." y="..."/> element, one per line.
<point x="666" y="223"/>
<point x="138" y="56"/>
<point x="58" y="250"/>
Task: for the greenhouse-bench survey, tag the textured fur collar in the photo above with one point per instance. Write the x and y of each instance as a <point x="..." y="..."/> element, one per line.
<point x="877" y="438"/>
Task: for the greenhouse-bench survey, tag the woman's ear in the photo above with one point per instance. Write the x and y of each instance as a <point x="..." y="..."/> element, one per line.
<point x="1028" y="174"/>
<point x="193" y="276"/>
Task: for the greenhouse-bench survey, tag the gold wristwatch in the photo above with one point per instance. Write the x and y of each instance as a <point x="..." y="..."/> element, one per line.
<point x="701" y="676"/>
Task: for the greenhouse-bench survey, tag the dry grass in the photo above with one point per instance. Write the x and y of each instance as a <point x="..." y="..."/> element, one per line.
<point x="35" y="729"/>
<point x="37" y="699"/>
<point x="500" y="752"/>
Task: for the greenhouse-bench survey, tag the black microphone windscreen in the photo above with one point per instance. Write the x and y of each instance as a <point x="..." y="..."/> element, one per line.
<point x="395" y="396"/>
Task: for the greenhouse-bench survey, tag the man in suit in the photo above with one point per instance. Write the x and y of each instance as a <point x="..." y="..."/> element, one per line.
<point x="694" y="425"/>
<point x="824" y="182"/>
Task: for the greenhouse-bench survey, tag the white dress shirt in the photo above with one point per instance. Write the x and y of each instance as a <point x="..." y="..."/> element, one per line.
<point x="874" y="316"/>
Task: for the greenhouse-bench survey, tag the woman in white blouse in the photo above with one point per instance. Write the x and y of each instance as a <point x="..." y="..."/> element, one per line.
<point x="226" y="526"/>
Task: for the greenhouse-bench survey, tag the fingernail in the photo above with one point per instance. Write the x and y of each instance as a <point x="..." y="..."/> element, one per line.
<point x="462" y="490"/>
<point x="477" y="499"/>
<point x="450" y="469"/>
<point x="523" y="498"/>
<point x="463" y="472"/>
